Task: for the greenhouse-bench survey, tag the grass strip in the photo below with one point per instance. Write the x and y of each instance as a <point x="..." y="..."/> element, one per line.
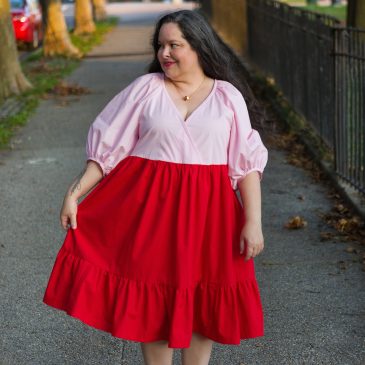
<point x="44" y="74"/>
<point x="338" y="11"/>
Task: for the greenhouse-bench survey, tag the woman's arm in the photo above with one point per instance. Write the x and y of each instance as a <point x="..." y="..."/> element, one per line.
<point x="86" y="180"/>
<point x="251" y="234"/>
<point x="81" y="185"/>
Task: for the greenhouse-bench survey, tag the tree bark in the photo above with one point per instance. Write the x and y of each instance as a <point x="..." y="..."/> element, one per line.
<point x="56" y="39"/>
<point x="12" y="78"/>
<point x="99" y="10"/>
<point x="356" y="13"/>
<point x="83" y="17"/>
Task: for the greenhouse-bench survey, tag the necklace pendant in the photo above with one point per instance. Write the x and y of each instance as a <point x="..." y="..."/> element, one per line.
<point x="186" y="98"/>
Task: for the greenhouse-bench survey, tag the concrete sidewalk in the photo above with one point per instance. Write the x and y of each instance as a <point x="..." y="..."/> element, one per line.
<point x="314" y="308"/>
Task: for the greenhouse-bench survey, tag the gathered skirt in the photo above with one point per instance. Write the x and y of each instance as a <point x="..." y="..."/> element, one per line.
<point x="155" y="256"/>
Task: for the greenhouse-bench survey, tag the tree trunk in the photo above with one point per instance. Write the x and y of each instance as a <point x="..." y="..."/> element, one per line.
<point x="83" y="17"/>
<point x="356" y="13"/>
<point x="99" y="10"/>
<point x="12" y="78"/>
<point x="56" y="39"/>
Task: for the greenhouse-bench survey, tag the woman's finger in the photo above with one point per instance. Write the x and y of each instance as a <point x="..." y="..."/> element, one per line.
<point x="253" y="250"/>
<point x="64" y="221"/>
<point x="242" y="246"/>
<point x="259" y="248"/>
<point x="248" y="252"/>
<point x="73" y="221"/>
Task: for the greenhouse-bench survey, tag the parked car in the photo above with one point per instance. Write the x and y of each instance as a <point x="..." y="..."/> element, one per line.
<point x="27" y="22"/>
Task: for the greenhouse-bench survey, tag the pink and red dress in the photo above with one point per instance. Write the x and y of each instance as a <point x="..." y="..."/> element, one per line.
<point x="155" y="255"/>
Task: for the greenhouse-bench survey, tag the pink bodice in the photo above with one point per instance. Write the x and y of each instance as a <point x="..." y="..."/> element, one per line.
<point x="142" y="120"/>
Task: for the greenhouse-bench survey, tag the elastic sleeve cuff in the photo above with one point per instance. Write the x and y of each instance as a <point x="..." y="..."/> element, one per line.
<point x="237" y="180"/>
<point x="104" y="168"/>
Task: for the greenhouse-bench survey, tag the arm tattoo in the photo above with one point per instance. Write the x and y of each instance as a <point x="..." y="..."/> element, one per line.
<point x="76" y="184"/>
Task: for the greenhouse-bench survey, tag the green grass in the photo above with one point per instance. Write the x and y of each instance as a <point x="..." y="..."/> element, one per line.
<point x="339" y="12"/>
<point x="45" y="74"/>
<point x="294" y="2"/>
<point x="86" y="43"/>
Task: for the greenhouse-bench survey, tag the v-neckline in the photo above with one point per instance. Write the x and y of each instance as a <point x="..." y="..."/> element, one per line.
<point x="174" y="105"/>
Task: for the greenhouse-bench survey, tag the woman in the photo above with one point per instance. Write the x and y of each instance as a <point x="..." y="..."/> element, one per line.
<point x="161" y="251"/>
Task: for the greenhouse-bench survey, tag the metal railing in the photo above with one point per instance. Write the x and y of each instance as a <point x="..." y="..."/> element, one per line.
<point x="349" y="59"/>
<point x="295" y="47"/>
<point x="320" y="67"/>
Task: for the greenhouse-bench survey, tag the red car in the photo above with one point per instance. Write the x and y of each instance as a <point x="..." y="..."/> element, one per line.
<point x="27" y="22"/>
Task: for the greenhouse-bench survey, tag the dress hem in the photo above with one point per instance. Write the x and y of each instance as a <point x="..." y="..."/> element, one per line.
<point x="153" y="338"/>
<point x="75" y="283"/>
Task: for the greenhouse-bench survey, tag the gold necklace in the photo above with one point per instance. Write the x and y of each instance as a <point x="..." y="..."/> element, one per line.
<point x="188" y="97"/>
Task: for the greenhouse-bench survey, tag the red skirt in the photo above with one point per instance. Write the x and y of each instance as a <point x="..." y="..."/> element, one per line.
<point x="155" y="256"/>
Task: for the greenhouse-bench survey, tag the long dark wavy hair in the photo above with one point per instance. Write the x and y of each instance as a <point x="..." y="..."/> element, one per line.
<point x="216" y="58"/>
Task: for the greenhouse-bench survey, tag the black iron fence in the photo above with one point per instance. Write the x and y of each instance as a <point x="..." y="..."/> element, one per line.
<point x="320" y="67"/>
<point x="295" y="47"/>
<point x="349" y="58"/>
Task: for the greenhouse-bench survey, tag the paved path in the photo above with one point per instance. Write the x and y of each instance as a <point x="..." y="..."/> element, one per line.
<point x="314" y="311"/>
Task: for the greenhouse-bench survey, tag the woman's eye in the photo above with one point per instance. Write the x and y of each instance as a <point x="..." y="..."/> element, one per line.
<point x="173" y="45"/>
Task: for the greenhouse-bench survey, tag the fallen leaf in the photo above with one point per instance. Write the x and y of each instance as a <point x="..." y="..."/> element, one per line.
<point x="296" y="222"/>
<point x="41" y="68"/>
<point x="347" y="225"/>
<point x="342" y="265"/>
<point x="295" y="161"/>
<point x="326" y="236"/>
<point x="350" y="249"/>
<point x="63" y="89"/>
<point x="270" y="80"/>
<point x="269" y="263"/>
<point x="341" y="208"/>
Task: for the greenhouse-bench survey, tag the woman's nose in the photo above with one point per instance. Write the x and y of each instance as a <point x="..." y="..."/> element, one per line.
<point x="165" y="52"/>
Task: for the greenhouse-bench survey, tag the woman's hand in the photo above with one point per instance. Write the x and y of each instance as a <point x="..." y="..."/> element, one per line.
<point x="252" y="238"/>
<point x="68" y="212"/>
<point x="83" y="183"/>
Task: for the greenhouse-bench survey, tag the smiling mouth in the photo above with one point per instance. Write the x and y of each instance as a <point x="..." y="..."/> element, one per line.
<point x="168" y="64"/>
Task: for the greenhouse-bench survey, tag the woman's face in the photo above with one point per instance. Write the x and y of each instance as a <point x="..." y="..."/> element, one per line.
<point x="175" y="54"/>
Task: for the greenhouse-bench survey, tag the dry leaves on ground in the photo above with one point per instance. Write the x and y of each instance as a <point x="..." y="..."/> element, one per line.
<point x="64" y="89"/>
<point x="348" y="225"/>
<point x="296" y="222"/>
<point x="41" y="68"/>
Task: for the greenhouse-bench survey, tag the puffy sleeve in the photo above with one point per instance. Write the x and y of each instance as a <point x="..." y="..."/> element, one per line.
<point x="114" y="132"/>
<point x="246" y="152"/>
